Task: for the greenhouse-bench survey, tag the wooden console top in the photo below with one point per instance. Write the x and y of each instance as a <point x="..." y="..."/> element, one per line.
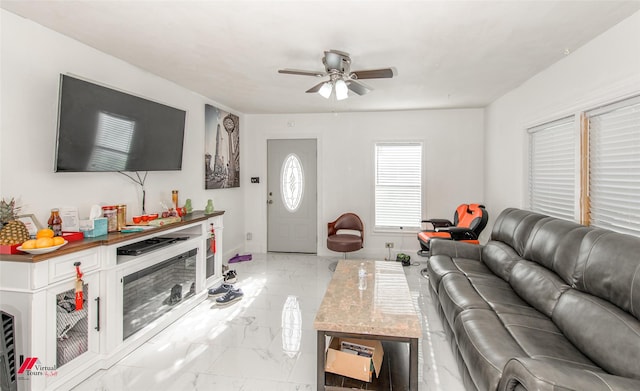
<point x="106" y="240"/>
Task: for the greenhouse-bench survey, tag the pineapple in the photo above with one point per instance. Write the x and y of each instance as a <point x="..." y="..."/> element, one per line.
<point x="8" y="211"/>
<point x="13" y="231"/>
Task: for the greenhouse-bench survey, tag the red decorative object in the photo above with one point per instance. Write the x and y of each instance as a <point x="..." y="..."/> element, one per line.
<point x="72" y="236"/>
<point x="12" y="249"/>
<point x="213" y="239"/>
<point x="79" y="287"/>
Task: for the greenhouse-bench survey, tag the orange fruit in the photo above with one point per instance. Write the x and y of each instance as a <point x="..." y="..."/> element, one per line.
<point x="29" y="244"/>
<point x="44" y="242"/>
<point x="58" y="240"/>
<point x="44" y="233"/>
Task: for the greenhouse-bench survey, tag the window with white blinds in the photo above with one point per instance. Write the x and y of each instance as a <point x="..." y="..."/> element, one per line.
<point x="398" y="185"/>
<point x="614" y="166"/>
<point x="553" y="149"/>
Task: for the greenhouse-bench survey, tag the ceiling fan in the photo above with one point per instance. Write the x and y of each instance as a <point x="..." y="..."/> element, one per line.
<point x="337" y="66"/>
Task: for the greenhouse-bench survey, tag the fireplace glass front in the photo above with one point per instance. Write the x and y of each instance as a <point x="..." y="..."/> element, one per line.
<point x="152" y="292"/>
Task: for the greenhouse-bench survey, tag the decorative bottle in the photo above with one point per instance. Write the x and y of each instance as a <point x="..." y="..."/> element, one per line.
<point x="362" y="277"/>
<point x="55" y="222"/>
<point x="174" y="198"/>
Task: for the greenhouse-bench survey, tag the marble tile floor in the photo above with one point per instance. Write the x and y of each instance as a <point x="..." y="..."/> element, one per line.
<point x="245" y="346"/>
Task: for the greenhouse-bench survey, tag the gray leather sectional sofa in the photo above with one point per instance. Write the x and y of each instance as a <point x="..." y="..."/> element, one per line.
<point x="546" y="304"/>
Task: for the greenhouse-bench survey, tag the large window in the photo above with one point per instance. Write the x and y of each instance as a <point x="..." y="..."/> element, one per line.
<point x="552" y="168"/>
<point x="593" y="173"/>
<point x="398" y="185"/>
<point x="614" y="166"/>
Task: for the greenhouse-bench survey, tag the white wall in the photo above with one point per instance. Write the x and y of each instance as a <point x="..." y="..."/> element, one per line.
<point x="453" y="158"/>
<point x="604" y="70"/>
<point x="33" y="57"/>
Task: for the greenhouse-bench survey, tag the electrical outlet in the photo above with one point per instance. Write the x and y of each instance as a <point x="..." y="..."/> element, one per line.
<point x="249" y="236"/>
<point x="388" y="245"/>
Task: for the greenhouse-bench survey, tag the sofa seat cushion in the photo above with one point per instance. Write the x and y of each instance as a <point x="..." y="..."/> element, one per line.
<point x="487" y="341"/>
<point x="441" y="265"/>
<point x="485" y="345"/>
<point x="438" y="267"/>
<point x="471" y="267"/>
<point x="539" y="374"/>
<point x="500" y="296"/>
<point x="457" y="294"/>
<point x="540" y="338"/>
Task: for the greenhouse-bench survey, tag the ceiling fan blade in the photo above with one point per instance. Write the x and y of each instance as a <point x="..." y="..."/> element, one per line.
<point x="301" y="72"/>
<point x="357" y="87"/>
<point x="383" y="73"/>
<point x="315" y="88"/>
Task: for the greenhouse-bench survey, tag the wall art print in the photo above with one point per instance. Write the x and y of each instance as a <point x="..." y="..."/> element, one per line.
<point x="222" y="149"/>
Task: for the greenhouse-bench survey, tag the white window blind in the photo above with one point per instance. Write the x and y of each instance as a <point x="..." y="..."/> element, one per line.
<point x="614" y="166"/>
<point x="398" y="185"/>
<point x="553" y="149"/>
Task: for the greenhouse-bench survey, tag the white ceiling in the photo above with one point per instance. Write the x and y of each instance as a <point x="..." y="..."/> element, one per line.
<point x="447" y="53"/>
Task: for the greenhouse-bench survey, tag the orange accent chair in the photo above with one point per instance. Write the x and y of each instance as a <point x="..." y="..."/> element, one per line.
<point x="468" y="221"/>
<point x="338" y="240"/>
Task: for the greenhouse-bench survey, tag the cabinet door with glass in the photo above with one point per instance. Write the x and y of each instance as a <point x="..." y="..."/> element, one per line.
<point x="213" y="249"/>
<point x="73" y="337"/>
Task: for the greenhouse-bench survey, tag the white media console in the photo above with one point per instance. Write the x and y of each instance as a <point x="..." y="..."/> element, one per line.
<point x="47" y="344"/>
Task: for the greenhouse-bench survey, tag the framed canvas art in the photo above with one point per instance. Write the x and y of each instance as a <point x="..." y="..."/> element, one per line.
<point x="222" y="149"/>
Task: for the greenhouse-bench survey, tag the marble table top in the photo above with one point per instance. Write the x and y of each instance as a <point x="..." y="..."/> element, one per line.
<point x="384" y="308"/>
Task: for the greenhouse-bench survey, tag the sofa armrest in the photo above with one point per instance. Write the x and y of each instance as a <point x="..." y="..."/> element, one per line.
<point x="438" y="223"/>
<point x="533" y="374"/>
<point x="455" y="249"/>
<point x="459" y="233"/>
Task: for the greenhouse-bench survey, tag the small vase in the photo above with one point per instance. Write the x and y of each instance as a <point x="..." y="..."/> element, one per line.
<point x="209" y="208"/>
<point x="187" y="206"/>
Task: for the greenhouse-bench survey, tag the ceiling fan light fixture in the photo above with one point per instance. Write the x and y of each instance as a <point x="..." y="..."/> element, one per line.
<point x="325" y="90"/>
<point x="341" y="90"/>
<point x="337" y="66"/>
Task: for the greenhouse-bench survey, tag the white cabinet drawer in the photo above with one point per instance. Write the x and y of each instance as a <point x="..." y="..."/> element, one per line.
<point x="62" y="268"/>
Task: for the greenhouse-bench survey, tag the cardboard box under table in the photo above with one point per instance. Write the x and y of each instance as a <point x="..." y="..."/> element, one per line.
<point x="356" y="358"/>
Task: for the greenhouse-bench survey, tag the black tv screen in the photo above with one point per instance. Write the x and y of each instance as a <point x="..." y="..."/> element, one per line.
<point x="101" y="129"/>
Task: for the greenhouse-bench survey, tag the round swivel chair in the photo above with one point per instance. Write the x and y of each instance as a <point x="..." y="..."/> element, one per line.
<point x="344" y="242"/>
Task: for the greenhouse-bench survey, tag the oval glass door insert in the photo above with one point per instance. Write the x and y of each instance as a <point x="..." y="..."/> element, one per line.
<point x="292" y="182"/>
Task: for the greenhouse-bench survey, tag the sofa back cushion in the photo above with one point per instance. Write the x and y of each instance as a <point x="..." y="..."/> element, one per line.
<point x="609" y="267"/>
<point x="537" y="285"/>
<point x="555" y="244"/>
<point x="606" y="334"/>
<point x="500" y="258"/>
<point x="513" y="227"/>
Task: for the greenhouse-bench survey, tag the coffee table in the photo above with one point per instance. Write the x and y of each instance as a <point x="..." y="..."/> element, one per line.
<point x="384" y="311"/>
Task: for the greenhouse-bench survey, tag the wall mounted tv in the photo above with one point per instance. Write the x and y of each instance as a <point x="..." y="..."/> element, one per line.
<point x="101" y="129"/>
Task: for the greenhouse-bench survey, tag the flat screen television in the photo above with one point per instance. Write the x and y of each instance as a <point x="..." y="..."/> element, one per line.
<point x="101" y="129"/>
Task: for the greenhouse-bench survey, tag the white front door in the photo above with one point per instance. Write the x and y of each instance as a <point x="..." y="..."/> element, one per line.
<point x="292" y="196"/>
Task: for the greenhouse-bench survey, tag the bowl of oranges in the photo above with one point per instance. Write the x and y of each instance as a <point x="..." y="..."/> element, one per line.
<point x="45" y="242"/>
